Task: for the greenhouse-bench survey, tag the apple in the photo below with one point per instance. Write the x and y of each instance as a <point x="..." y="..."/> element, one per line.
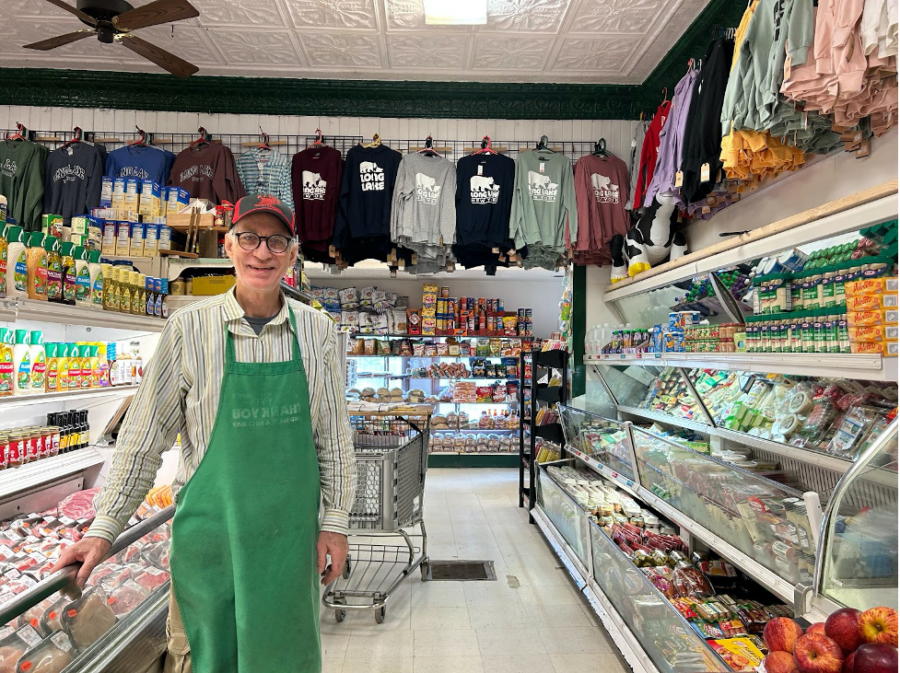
<point x="818" y="627"/>
<point x="842" y="626"/>
<point x="848" y="663"/>
<point x="781" y="633"/>
<point x="818" y="654"/>
<point x="780" y="662"/>
<point x="875" y="658"/>
<point x="878" y="625"/>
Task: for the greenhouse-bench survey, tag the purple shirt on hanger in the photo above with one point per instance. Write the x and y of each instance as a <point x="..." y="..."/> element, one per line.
<point x="671" y="141"/>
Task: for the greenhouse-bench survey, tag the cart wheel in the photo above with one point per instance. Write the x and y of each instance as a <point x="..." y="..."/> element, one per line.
<point x="347" y="569"/>
<point x="340" y="615"/>
<point x="424" y="568"/>
<point x="379" y="614"/>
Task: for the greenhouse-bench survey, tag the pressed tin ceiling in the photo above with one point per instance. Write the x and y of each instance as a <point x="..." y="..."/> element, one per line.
<point x="536" y="41"/>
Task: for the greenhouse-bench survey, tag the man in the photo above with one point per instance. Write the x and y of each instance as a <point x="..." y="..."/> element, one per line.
<point x="252" y="382"/>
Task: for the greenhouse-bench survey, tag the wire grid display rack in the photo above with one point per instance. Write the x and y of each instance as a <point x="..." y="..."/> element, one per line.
<point x="391" y="457"/>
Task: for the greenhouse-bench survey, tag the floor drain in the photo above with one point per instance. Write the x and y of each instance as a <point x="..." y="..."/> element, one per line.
<point x="460" y="571"/>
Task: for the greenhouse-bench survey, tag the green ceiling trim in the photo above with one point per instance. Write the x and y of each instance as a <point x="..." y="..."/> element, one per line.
<point x="362" y="98"/>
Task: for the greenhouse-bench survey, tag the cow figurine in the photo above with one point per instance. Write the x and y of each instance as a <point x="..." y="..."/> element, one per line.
<point x="649" y="242"/>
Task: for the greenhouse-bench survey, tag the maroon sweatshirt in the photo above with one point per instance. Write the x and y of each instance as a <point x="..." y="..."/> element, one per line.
<point x="316" y="174"/>
<point x="207" y="172"/>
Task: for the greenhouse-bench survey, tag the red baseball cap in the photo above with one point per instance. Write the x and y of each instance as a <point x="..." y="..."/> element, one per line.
<point x="258" y="203"/>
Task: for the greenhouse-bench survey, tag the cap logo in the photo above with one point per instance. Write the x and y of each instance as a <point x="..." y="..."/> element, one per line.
<point x="267" y="202"/>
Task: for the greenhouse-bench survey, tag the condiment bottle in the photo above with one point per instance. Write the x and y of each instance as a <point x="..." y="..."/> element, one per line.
<point x="4" y="450"/>
<point x="54" y="270"/>
<point x="137" y="293"/>
<point x="22" y="363"/>
<point x="74" y="360"/>
<point x="95" y="366"/>
<point x="7" y="366"/>
<point x="4" y="258"/>
<point x="86" y="368"/>
<point x="69" y="272"/>
<point x="162" y="299"/>
<point x="124" y="291"/>
<point x="52" y="377"/>
<point x="104" y="365"/>
<point x="96" y="275"/>
<point x="37" y="267"/>
<point x="62" y="354"/>
<point x="38" y="362"/>
<point x="82" y="279"/>
<point x="17" y="263"/>
<point x="109" y="287"/>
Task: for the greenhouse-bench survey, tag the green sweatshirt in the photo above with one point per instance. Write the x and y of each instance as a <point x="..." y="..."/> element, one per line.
<point x="22" y="181"/>
<point x="543" y="197"/>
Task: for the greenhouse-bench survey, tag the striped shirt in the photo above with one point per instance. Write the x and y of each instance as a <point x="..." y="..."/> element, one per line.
<point x="180" y="393"/>
<point x="267" y="173"/>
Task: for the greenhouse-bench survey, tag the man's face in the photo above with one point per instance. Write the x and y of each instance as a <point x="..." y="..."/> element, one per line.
<point x="260" y="269"/>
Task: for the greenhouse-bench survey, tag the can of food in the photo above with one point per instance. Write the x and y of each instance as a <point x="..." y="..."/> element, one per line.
<point x="16" y="449"/>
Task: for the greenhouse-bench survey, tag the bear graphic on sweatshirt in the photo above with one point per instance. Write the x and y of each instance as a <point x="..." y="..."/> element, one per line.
<point x="483" y="190"/>
<point x="541" y="187"/>
<point x="371" y="175"/>
<point x="427" y="191"/>
<point x="313" y="186"/>
<point x="604" y="190"/>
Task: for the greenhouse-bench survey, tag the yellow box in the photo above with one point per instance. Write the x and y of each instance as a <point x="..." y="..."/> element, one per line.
<point x="877" y="317"/>
<point x="210" y="285"/>
<point x="873" y="333"/>
<point x="863" y="302"/>
<point x="871" y="286"/>
<point x="885" y="348"/>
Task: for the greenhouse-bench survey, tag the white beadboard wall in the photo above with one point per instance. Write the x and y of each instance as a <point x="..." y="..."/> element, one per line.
<point x="617" y="133"/>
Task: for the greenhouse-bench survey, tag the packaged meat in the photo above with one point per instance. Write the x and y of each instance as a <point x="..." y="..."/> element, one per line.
<point x="13" y="646"/>
<point x="51" y="619"/>
<point x="127" y="597"/>
<point x="32" y="617"/>
<point x="130" y="554"/>
<point x="9" y="655"/>
<point x="88" y="618"/>
<point x="689" y="581"/>
<point x="117" y="578"/>
<point x="51" y="655"/>
<point x="152" y="578"/>
<point x="157" y="554"/>
<point x="80" y="505"/>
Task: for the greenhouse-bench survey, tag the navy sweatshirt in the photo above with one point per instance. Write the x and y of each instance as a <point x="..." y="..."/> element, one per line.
<point x="73" y="180"/>
<point x="484" y="191"/>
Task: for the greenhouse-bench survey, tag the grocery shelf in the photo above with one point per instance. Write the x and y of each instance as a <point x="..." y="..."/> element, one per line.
<point x="25" y="477"/>
<point x="178" y="264"/>
<point x="47" y="398"/>
<point x="625" y="483"/>
<point x="669" y="419"/>
<point x="848" y="366"/>
<point x="427" y="357"/>
<point x="476" y="430"/>
<point x="12" y="310"/>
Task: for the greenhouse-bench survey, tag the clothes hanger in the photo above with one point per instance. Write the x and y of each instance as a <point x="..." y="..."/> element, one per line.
<point x="320" y="139"/>
<point x="76" y="139"/>
<point x="485" y="147"/>
<point x="204" y="138"/>
<point x="665" y="95"/>
<point x="140" y="142"/>
<point x="429" y="148"/>
<point x="542" y="145"/>
<point x="19" y="134"/>
<point x="600" y="149"/>
<point x="264" y="145"/>
<point x="376" y="141"/>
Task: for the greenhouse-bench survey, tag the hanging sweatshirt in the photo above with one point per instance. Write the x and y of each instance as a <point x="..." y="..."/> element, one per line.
<point x="363" y="227"/>
<point x="601" y="188"/>
<point x="316" y="178"/>
<point x="207" y="172"/>
<point x="266" y="172"/>
<point x="484" y="190"/>
<point x="671" y="141"/>
<point x="634" y="162"/>
<point x="73" y="180"/>
<point x="22" y="181"/>
<point x="543" y="202"/>
<point x="424" y="209"/>
<point x="140" y="161"/>
<point x="649" y="152"/>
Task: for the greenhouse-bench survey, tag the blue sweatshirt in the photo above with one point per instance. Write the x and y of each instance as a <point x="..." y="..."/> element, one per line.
<point x="137" y="161"/>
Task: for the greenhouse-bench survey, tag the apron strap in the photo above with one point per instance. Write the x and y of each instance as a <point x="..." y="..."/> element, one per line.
<point x="295" y="342"/>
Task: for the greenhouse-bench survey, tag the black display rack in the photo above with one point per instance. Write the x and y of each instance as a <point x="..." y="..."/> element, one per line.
<point x="541" y="395"/>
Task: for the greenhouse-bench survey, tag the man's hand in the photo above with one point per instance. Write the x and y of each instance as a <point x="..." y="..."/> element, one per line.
<point x="334" y="545"/>
<point x="90" y="552"/>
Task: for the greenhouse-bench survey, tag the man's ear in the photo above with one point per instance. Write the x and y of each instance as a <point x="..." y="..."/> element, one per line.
<point x="229" y="243"/>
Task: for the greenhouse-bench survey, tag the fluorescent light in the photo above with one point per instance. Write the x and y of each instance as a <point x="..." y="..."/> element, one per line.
<point x="455" y="12"/>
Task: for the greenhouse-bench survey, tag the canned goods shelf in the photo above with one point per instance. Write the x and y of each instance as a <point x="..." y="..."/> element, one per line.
<point x="48" y="398"/>
<point x="855" y="366"/>
<point x="25" y="477"/>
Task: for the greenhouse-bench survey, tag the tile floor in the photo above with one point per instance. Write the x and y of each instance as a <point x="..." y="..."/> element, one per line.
<point x="531" y="619"/>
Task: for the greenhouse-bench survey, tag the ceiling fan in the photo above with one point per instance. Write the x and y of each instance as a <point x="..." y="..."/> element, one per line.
<point x="114" y="20"/>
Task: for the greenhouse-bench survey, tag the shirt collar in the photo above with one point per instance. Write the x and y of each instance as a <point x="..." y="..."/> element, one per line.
<point x="234" y="314"/>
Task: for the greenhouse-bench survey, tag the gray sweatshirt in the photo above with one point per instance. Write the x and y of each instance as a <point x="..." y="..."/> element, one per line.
<point x="424" y="208"/>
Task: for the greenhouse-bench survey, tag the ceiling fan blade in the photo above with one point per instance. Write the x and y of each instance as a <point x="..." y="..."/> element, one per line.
<point x="60" y="40"/>
<point x="164" y="59"/>
<point x="73" y="10"/>
<point x="155" y="13"/>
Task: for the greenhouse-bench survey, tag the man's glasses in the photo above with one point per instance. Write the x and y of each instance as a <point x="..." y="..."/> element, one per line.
<point x="250" y="241"/>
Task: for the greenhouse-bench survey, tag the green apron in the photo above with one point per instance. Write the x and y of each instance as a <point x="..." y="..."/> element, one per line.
<point x="245" y="529"/>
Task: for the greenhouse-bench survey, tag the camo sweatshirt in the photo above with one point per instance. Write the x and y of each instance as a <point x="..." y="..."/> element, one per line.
<point x="543" y="199"/>
<point x="424" y="209"/>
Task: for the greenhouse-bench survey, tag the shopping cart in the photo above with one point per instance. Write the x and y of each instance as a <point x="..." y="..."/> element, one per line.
<point x="392" y="458"/>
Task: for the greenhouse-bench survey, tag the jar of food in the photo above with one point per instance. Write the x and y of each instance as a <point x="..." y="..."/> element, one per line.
<point x="54" y="440"/>
<point x="33" y="445"/>
<point x="4" y="451"/>
<point x="46" y="442"/>
<point x="16" y="449"/>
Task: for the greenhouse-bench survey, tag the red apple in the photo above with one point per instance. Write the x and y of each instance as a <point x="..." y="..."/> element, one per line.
<point x="875" y="658"/>
<point x="879" y="625"/>
<point x="842" y="626"/>
<point x="818" y="654"/>
<point x="780" y="662"/>
<point x="818" y="627"/>
<point x="848" y="663"/>
<point x="781" y="633"/>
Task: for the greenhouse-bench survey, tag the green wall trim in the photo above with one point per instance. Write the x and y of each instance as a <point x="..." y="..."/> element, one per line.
<point x="362" y="98"/>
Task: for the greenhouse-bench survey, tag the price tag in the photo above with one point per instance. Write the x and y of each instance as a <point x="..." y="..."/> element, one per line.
<point x="542" y="167"/>
<point x="704" y="173"/>
<point x="805" y="118"/>
<point x="480" y="169"/>
<point x="679" y="179"/>
<point x="705" y="210"/>
<point x="495" y="251"/>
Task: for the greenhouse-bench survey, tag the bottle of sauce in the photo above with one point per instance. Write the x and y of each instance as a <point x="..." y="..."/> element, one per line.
<point x="22" y="363"/>
<point x="17" y="262"/>
<point x="74" y="360"/>
<point x="95" y="366"/>
<point x="84" y="430"/>
<point x="54" y="270"/>
<point x="163" y="299"/>
<point x="109" y="287"/>
<point x="96" y="275"/>
<point x="104" y="365"/>
<point x="150" y="306"/>
<point x="38" y="362"/>
<point x="7" y="366"/>
<point x="137" y="364"/>
<point x="52" y="377"/>
<point x="62" y="376"/>
<point x="69" y="272"/>
<point x="124" y="291"/>
<point x="137" y="293"/>
<point x="85" y="351"/>
<point x="37" y="267"/>
<point x="82" y="278"/>
<point x="4" y="257"/>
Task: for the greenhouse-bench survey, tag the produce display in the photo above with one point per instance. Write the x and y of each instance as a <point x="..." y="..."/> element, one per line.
<point x="849" y="641"/>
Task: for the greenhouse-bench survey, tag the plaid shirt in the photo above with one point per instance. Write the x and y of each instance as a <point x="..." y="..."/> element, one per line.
<point x="268" y="173"/>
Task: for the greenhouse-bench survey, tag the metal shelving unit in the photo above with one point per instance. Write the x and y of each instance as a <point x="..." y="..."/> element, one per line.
<point x="13" y="310"/>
